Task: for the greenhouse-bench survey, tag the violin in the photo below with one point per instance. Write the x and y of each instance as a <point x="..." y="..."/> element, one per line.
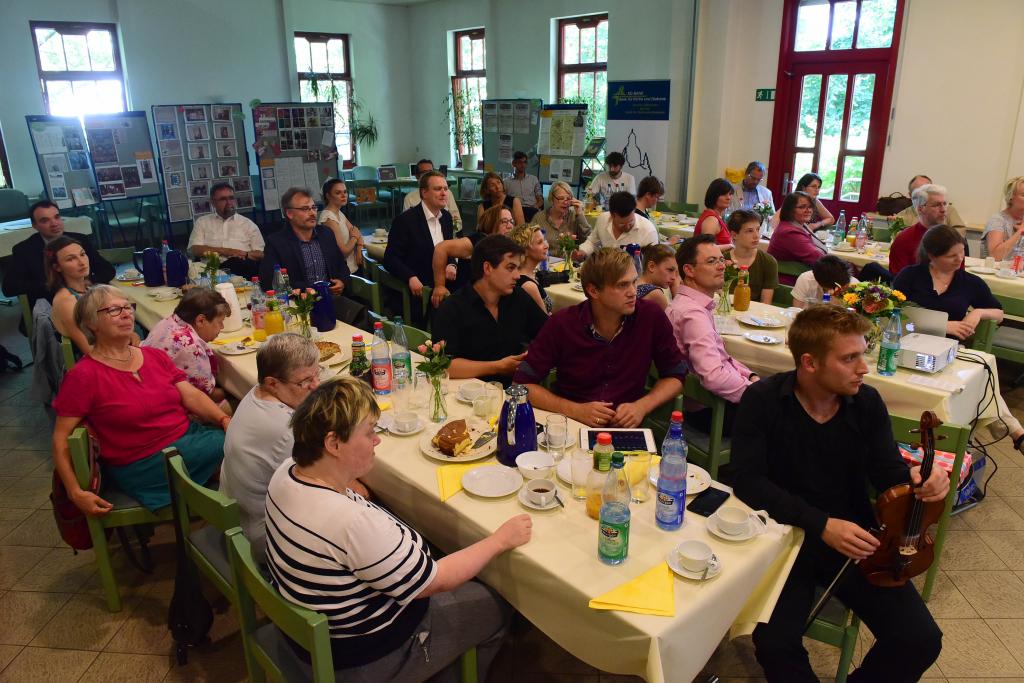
<point x="905" y="548"/>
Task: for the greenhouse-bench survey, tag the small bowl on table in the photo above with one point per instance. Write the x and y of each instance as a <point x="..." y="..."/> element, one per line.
<point x="535" y="464"/>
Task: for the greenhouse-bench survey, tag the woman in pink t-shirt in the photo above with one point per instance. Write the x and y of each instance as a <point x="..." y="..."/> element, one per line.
<point x="136" y="403"/>
<point x="716" y="201"/>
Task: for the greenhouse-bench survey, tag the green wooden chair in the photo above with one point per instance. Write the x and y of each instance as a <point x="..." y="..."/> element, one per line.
<point x="881" y="234"/>
<point x="367" y="291"/>
<point x="389" y="281"/>
<point x="794" y="268"/>
<point x="26" y="314"/>
<point x="1008" y="340"/>
<point x="271" y="656"/>
<point x="984" y="336"/>
<point x="117" y="255"/>
<point x="370" y="266"/>
<point x="782" y="295"/>
<point x="126" y="512"/>
<point x="414" y="335"/>
<point x="956" y="443"/>
<point x="205" y="547"/>
<point x="67" y="352"/>
<point x="837" y="626"/>
<point x="712" y="449"/>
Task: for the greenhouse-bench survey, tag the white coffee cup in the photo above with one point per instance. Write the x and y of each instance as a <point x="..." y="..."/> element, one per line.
<point x="406" y="421"/>
<point x="694" y="556"/>
<point x="472" y="389"/>
<point x="733" y="521"/>
<point x="540" y="492"/>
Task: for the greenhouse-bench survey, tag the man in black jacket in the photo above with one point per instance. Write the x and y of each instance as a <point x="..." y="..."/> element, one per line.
<point x="415" y="233"/>
<point x="24" y="273"/>
<point x="310" y="254"/>
<point x="805" y="444"/>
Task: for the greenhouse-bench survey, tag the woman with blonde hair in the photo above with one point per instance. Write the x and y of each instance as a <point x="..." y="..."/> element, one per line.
<point x="660" y="272"/>
<point x="1004" y="230"/>
<point x="564" y="215"/>
<point x="532" y="239"/>
<point x="492" y="191"/>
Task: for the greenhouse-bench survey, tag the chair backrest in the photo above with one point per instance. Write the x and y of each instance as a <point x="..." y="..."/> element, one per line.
<point x="117" y="255"/>
<point x="782" y="295"/>
<point x="364" y="173"/>
<point x="78" y="444"/>
<point x="67" y="352"/>
<point x="307" y="628"/>
<point x="214" y="507"/>
<point x="13" y="205"/>
<point x="1011" y="305"/>
<point x="367" y="290"/>
<point x="793" y="267"/>
<point x="955" y="441"/>
<point x="26" y="314"/>
<point x="413" y="335"/>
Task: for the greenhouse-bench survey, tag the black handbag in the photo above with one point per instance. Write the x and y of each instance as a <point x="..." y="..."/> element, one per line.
<point x="893" y="204"/>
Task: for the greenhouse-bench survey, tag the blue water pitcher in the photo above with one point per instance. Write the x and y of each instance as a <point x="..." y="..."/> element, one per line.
<point x="517" y="426"/>
<point x="322" y="316"/>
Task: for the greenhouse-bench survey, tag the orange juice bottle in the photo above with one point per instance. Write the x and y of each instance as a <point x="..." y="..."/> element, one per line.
<point x="741" y="295"/>
<point x="273" y="321"/>
<point x="599" y="475"/>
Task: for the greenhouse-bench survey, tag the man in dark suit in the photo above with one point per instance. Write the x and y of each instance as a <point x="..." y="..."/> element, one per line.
<point x="24" y="273"/>
<point x="310" y="254"/>
<point x="415" y="233"/>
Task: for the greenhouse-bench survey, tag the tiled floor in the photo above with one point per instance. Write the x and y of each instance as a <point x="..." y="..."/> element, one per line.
<point x="54" y="625"/>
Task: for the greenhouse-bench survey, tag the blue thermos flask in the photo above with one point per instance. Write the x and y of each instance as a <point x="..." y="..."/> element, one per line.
<point x="517" y="426"/>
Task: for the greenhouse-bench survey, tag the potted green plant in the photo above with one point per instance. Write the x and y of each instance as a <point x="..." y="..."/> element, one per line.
<point x="460" y="107"/>
<point x="362" y="125"/>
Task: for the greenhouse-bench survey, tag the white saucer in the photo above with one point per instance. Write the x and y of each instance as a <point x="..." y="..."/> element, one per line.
<point x="420" y="426"/>
<point x="714" y="529"/>
<point x="237" y="349"/>
<point x="492" y="481"/>
<point x="526" y="502"/>
<point x="697" y="479"/>
<point x="714" y="568"/>
<point x="762" y="338"/>
<point x="1011" y="276"/>
<point x="982" y="270"/>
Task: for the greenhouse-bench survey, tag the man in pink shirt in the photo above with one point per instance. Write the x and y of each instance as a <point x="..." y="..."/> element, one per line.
<point x="693" y="322"/>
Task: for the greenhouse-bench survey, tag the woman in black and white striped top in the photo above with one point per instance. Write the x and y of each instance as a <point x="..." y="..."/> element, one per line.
<point x="331" y="550"/>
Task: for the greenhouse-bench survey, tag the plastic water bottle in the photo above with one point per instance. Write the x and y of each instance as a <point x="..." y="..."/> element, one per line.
<point x="380" y="361"/>
<point x="826" y="298"/>
<point x="276" y="282"/>
<point x="889" y="353"/>
<point x="258" y="304"/>
<point x="839" y="234"/>
<point x="165" y="249"/>
<point x="671" y="500"/>
<point x="1017" y="259"/>
<point x="862" y="236"/>
<point x="613" y="525"/>
<point x="401" y="359"/>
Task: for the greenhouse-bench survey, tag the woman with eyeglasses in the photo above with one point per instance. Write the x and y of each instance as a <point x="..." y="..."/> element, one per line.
<point x="793" y="239"/>
<point x="260" y="436"/>
<point x="564" y="215"/>
<point x="135" y="402"/>
<point x="496" y="220"/>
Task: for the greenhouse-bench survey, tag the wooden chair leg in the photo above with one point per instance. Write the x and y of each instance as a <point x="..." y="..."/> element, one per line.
<point x="102" y="552"/>
<point x="467" y="664"/>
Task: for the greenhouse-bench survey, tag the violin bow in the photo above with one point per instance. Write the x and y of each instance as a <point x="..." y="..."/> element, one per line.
<point x="827" y="595"/>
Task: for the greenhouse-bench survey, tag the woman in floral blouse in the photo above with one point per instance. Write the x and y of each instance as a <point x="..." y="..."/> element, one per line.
<point x="184" y="334"/>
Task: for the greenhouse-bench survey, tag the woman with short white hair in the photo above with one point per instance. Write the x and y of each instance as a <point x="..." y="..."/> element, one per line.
<point x="1003" y="231"/>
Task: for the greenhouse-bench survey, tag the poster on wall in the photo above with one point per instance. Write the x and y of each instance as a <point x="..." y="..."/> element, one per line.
<point x="201" y="145"/>
<point x="638" y="113"/>
<point x="117" y="144"/>
<point x="295" y="147"/>
<point x="63" y="160"/>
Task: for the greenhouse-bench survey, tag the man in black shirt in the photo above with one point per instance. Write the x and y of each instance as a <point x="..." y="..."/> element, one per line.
<point x="805" y="445"/>
<point x="488" y="325"/>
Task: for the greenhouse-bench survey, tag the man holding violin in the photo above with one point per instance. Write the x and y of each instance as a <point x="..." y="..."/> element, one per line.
<point x="805" y="446"/>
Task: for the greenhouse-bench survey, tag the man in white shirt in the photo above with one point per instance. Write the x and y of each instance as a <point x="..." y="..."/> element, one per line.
<point x="750" y="192"/>
<point x="413" y="198"/>
<point x="228" y="233"/>
<point x="613" y="180"/>
<point x="524" y="185"/>
<point x="618" y="226"/>
<point x="829" y="274"/>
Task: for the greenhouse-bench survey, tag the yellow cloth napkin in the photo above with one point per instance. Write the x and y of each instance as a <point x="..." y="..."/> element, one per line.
<point x="449" y="478"/>
<point x="230" y="340"/>
<point x="653" y="592"/>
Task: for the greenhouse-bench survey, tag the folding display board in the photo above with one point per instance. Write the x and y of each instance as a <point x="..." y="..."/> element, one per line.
<point x="122" y="155"/>
<point x="60" y="148"/>
<point x="295" y="147"/>
<point x="510" y="126"/>
<point x="200" y="145"/>
<point x="561" y="142"/>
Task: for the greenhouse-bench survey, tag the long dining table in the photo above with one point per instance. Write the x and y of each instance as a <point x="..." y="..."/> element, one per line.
<point x="954" y="394"/>
<point x="551" y="579"/>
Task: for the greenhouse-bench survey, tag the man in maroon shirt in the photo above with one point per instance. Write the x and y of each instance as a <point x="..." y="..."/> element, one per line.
<point x="602" y="350"/>
<point x="930" y="204"/>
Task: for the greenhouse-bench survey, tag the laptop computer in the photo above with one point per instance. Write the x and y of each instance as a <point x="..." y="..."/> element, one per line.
<point x="925" y="320"/>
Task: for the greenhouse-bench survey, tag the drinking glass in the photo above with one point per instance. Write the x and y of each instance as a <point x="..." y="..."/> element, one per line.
<point x="582" y="462"/>
<point x="482" y="406"/>
<point x="638" y="467"/>
<point x="496" y="390"/>
<point x="400" y="394"/>
<point x="556" y="435"/>
<point x="419" y="393"/>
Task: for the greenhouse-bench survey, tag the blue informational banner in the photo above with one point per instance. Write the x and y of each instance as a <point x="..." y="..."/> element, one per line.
<point x="638" y="100"/>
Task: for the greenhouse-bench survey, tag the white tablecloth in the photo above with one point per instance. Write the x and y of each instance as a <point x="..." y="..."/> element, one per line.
<point x="551" y="579"/>
<point x="13" y="232"/>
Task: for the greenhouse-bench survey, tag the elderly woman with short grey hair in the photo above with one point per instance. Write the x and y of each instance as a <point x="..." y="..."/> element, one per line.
<point x="260" y="439"/>
<point x="135" y="403"/>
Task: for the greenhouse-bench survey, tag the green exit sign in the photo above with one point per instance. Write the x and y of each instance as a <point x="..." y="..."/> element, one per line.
<point x="764" y="95"/>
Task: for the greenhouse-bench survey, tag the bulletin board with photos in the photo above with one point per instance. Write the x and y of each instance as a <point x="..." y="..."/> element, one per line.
<point x="122" y="155"/>
<point x="60" y="148"/>
<point x="201" y="145"/>
<point x="295" y="147"/>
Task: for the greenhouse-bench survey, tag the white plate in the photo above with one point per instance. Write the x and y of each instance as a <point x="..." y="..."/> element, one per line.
<point x="420" y="426"/>
<point x="564" y="471"/>
<point x="493" y="481"/>
<point x="766" y="321"/>
<point x="237" y="349"/>
<point x="714" y="529"/>
<point x="697" y="478"/>
<point x="762" y="338"/>
<point x="125" y="278"/>
<point x="526" y="502"/>
<point x="982" y="270"/>
<point x="378" y="240"/>
<point x="846" y="249"/>
<point x="476" y="430"/>
<point x="337" y="359"/>
<point x="714" y="568"/>
<point x="577" y="286"/>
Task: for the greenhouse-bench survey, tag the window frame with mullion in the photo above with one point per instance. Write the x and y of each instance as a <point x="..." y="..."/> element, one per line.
<point x="588" y="21"/>
<point x="462" y="75"/>
<point x="78" y="28"/>
<point x="344" y="76"/>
